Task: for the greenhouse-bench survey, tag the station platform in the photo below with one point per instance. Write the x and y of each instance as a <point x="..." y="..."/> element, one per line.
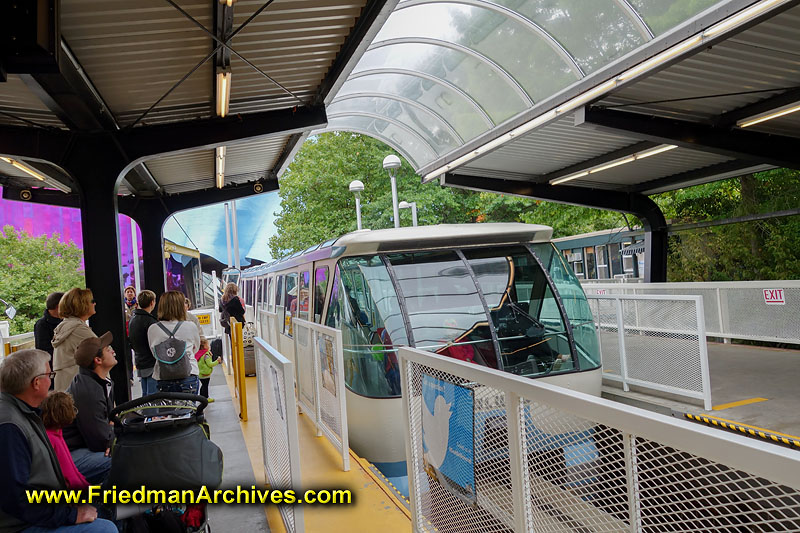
<point x="752" y="387"/>
<point x="375" y="505"/>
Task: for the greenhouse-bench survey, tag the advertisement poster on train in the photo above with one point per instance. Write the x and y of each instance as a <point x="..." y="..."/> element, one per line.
<point x="448" y="432"/>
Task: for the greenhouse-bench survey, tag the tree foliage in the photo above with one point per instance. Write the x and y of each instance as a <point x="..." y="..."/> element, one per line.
<point x="316" y="204"/>
<point x="757" y="250"/>
<point x="33" y="267"/>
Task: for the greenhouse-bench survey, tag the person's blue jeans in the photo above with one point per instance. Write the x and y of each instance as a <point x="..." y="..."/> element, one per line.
<point x="149" y="386"/>
<point x="190" y="385"/>
<point x="98" y="526"/>
<point x="94" y="466"/>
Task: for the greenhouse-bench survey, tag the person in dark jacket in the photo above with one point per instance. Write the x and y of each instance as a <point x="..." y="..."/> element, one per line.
<point x="141" y="320"/>
<point x="231" y="306"/>
<point x="43" y="329"/>
<point x="90" y="434"/>
<point x="27" y="460"/>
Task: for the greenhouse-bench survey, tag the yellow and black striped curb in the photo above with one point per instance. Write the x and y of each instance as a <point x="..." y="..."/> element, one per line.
<point x="749" y="431"/>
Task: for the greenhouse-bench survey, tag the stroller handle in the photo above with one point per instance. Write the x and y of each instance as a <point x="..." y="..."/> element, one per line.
<point x="160" y="396"/>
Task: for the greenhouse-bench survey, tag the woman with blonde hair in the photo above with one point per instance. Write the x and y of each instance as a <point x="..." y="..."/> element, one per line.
<point x="75" y="308"/>
<point x="174" y="372"/>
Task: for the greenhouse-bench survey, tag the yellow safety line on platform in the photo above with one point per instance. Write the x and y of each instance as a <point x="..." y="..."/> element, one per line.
<point x="738" y="404"/>
<point x="753" y="431"/>
<point x="374" y="507"/>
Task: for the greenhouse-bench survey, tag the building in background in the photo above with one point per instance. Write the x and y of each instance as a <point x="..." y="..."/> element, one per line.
<point x="606" y="254"/>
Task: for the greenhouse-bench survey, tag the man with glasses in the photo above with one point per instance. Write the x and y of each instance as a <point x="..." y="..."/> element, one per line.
<point x="90" y="434"/>
<point x="27" y="460"/>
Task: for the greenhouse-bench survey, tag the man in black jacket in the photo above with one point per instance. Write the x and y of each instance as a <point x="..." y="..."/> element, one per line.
<point x="140" y="322"/>
<point x="43" y="329"/>
<point x="90" y="434"/>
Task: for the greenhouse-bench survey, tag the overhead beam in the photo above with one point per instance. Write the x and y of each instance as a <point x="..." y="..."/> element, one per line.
<point x="734" y="143"/>
<point x="289" y="150"/>
<point x="372" y="17"/>
<point x="678" y="181"/>
<point x="762" y="106"/>
<point x="35" y="195"/>
<point x="644" y="208"/>
<point x="149" y="141"/>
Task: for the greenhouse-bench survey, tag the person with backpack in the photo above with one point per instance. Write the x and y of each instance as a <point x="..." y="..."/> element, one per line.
<point x="174" y="341"/>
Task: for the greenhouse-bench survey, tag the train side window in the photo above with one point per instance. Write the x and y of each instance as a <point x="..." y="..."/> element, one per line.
<point x="303" y="296"/>
<point x="334" y="318"/>
<point x="270" y="294"/>
<point x="290" y="308"/>
<point x="279" y="288"/>
<point x="260" y="294"/>
<point x="320" y="289"/>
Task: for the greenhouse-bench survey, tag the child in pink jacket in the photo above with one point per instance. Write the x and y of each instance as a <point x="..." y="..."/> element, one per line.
<point x="58" y="411"/>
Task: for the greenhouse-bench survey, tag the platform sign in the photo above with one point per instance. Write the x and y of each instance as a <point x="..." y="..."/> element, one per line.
<point x="448" y="435"/>
<point x="774" y="297"/>
<point x="204" y="319"/>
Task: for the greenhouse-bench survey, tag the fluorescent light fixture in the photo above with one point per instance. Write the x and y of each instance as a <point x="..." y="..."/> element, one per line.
<point x="219" y="166"/>
<point x="606" y="86"/>
<point x="570" y="177"/>
<point x="615" y="163"/>
<point x="664" y="56"/>
<point x="223" y="93"/>
<point x="36" y="174"/>
<point x="763" y="117"/>
<point x="656" y="150"/>
<point x="742" y="16"/>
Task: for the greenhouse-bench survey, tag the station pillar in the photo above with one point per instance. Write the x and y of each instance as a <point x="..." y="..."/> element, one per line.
<point x="150" y="216"/>
<point x="96" y="167"/>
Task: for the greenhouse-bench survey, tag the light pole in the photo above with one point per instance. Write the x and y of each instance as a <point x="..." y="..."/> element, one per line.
<point x="356" y="187"/>
<point x="391" y="163"/>
<point x="413" y="206"/>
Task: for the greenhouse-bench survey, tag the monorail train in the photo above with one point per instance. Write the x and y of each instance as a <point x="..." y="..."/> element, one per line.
<point x="499" y="295"/>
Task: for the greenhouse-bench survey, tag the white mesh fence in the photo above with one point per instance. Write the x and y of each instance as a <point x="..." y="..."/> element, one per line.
<point x="656" y="342"/>
<point x="321" y="388"/>
<point x="752" y="310"/>
<point x="279" y="437"/>
<point x="543" y="458"/>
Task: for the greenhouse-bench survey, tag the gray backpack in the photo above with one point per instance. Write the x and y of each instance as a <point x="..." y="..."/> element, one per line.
<point x="171" y="356"/>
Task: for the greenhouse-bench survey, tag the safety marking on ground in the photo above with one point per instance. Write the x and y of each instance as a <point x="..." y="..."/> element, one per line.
<point x="738" y="404"/>
<point x="751" y="431"/>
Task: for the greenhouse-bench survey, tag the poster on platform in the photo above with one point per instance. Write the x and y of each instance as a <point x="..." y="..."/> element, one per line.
<point x="448" y="435"/>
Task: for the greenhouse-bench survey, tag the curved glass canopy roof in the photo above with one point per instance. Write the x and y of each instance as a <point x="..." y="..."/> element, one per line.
<point x="442" y="72"/>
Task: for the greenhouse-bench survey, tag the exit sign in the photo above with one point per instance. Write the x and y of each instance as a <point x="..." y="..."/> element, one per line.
<point x="774" y="297"/>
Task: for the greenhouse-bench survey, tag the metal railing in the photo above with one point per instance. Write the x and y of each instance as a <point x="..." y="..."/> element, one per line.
<point x="320" y="382"/>
<point x="280" y="441"/>
<point x="751" y="310"/>
<point x="237" y="358"/>
<point x="12" y="343"/>
<point x="655" y="342"/>
<point x="489" y="451"/>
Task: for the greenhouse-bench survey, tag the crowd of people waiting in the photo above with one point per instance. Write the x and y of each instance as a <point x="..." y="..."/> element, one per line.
<point x="56" y="400"/>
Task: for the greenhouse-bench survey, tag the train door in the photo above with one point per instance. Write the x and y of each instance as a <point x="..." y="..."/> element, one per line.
<point x="286" y="336"/>
<point x="321" y="277"/>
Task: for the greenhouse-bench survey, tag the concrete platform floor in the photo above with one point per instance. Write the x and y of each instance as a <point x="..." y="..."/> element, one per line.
<point x="750" y="385"/>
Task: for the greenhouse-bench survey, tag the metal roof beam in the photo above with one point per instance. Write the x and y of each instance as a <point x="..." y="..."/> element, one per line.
<point x="762" y="106"/>
<point x="372" y="17"/>
<point x="677" y="181"/>
<point x="149" y="141"/>
<point x="735" y="143"/>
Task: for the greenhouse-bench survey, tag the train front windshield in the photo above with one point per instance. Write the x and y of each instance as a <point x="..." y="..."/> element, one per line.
<point x="489" y="306"/>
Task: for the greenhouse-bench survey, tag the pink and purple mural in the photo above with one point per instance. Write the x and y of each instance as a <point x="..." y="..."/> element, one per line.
<point x="37" y="219"/>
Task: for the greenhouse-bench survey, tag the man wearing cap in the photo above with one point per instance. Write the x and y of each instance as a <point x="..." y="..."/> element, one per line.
<point x="90" y="434"/>
<point x="27" y="460"/>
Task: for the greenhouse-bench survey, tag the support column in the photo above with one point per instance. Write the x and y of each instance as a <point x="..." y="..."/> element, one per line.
<point x="151" y="216"/>
<point x="655" y="238"/>
<point x="99" y="225"/>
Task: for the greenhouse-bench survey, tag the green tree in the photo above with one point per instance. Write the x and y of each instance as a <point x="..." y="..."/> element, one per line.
<point x="33" y="267"/>
<point x="317" y="205"/>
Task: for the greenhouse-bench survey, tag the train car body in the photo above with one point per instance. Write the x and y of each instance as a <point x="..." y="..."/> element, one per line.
<point x="499" y="295"/>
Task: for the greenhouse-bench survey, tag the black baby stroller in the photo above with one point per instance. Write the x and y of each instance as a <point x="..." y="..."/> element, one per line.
<point x="162" y="443"/>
